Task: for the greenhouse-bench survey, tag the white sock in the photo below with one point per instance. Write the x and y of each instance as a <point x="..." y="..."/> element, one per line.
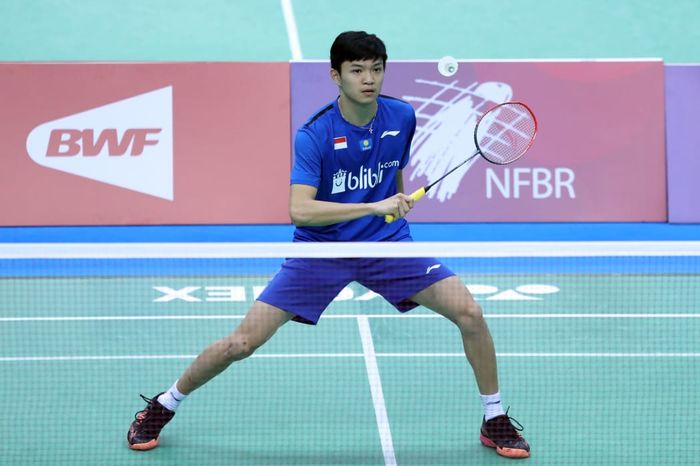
<point x="492" y="405"/>
<point x="172" y="398"/>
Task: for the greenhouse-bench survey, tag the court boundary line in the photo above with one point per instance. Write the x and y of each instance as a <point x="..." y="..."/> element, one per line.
<point x="375" y="387"/>
<point x="573" y="355"/>
<point x="292" y="31"/>
<point x="483" y="249"/>
<point x="355" y="316"/>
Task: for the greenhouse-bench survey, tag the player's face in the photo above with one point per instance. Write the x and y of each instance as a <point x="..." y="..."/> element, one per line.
<point x="360" y="81"/>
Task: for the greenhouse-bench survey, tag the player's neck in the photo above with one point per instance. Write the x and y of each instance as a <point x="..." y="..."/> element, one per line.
<point x="356" y="114"/>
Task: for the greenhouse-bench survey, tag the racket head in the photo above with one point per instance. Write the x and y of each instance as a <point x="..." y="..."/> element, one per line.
<point x="505" y="132"/>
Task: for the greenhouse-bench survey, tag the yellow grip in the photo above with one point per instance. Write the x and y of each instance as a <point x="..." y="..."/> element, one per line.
<point x="418" y="194"/>
<point x="415" y="195"/>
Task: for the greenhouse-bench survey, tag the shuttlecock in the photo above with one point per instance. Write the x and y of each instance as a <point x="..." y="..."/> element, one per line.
<point x="448" y="66"/>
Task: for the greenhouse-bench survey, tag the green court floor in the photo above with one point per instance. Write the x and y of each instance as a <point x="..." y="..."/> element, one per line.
<point x="255" y="30"/>
<point x="596" y="378"/>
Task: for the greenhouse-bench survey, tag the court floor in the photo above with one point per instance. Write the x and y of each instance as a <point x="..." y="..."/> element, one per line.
<point x="600" y="368"/>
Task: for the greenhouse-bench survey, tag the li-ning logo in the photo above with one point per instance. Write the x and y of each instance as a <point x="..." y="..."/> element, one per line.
<point x="365" y="179"/>
<point x="390" y="133"/>
<point x="128" y="143"/>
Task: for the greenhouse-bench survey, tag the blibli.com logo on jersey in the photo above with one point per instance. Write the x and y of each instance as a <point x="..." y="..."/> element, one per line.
<point x="365" y="179"/>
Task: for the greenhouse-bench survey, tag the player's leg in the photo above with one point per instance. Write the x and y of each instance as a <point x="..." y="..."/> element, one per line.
<point x="258" y="326"/>
<point x="450" y="298"/>
<point x="301" y="289"/>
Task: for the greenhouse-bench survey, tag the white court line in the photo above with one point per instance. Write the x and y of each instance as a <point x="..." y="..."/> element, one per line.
<point x="138" y="357"/>
<point x="124" y="357"/>
<point x="346" y="356"/>
<point x="292" y="32"/>
<point x="111" y="318"/>
<point x="545" y="355"/>
<point x="595" y="316"/>
<point x="481" y="249"/>
<point x="375" y="385"/>
<point x="356" y="316"/>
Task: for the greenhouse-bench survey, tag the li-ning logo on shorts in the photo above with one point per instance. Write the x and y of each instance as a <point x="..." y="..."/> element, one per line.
<point x="128" y="143"/>
<point x="367" y="178"/>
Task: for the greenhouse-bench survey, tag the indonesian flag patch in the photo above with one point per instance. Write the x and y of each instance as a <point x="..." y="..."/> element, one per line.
<point x="340" y="143"/>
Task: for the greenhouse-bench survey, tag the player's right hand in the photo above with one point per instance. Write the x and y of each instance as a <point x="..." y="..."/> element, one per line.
<point x="397" y="205"/>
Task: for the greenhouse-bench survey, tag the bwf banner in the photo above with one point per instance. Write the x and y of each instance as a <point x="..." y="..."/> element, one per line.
<point x="599" y="154"/>
<point x="170" y="143"/>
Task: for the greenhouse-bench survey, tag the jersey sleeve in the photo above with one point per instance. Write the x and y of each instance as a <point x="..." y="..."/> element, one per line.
<point x="306" y="167"/>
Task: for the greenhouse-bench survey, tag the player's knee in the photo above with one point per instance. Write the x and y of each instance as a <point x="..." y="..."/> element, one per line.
<point x="470" y="317"/>
<point x="237" y="347"/>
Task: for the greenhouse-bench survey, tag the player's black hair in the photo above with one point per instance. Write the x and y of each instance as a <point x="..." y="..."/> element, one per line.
<point x="356" y="45"/>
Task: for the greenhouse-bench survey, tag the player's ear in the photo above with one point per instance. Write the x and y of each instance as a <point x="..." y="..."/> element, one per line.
<point x="335" y="76"/>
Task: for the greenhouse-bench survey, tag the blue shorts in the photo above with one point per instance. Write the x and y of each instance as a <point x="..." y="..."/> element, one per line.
<point x="305" y="287"/>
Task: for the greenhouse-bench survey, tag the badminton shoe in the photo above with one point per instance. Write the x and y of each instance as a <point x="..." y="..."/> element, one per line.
<point x="144" y="431"/>
<point x="501" y="434"/>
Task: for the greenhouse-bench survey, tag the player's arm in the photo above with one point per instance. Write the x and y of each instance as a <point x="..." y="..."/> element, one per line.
<point x="305" y="210"/>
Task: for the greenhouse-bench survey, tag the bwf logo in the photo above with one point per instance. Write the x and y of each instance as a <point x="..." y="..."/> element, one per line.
<point x="128" y="143"/>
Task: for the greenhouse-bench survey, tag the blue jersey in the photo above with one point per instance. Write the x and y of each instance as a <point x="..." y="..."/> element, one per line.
<point x="351" y="164"/>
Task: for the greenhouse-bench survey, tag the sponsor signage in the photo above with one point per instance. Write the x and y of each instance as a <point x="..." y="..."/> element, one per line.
<point x="210" y="143"/>
<point x="128" y="144"/>
<point x="170" y="143"/>
<point x="683" y="142"/>
<point x="598" y="156"/>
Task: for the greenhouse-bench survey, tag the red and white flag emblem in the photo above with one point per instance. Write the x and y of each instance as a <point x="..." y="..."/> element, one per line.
<point x="340" y="143"/>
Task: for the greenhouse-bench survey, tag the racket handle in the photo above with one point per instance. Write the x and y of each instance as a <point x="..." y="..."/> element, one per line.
<point x="415" y="195"/>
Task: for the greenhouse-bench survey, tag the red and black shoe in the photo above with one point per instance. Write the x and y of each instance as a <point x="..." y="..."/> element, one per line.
<point x="144" y="431"/>
<point x="501" y="434"/>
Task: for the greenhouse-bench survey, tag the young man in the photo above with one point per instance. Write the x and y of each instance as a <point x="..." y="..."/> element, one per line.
<point x="346" y="177"/>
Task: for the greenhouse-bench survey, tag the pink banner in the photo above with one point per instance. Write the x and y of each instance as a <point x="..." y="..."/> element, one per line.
<point x="598" y="156"/>
<point x="169" y="143"/>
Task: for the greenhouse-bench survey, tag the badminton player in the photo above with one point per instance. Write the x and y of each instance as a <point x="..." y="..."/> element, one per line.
<point x="346" y="177"/>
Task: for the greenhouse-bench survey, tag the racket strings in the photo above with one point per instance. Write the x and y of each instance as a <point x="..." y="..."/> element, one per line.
<point x="506" y="132"/>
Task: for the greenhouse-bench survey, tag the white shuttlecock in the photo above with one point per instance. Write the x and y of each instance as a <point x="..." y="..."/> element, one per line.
<point x="448" y="66"/>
